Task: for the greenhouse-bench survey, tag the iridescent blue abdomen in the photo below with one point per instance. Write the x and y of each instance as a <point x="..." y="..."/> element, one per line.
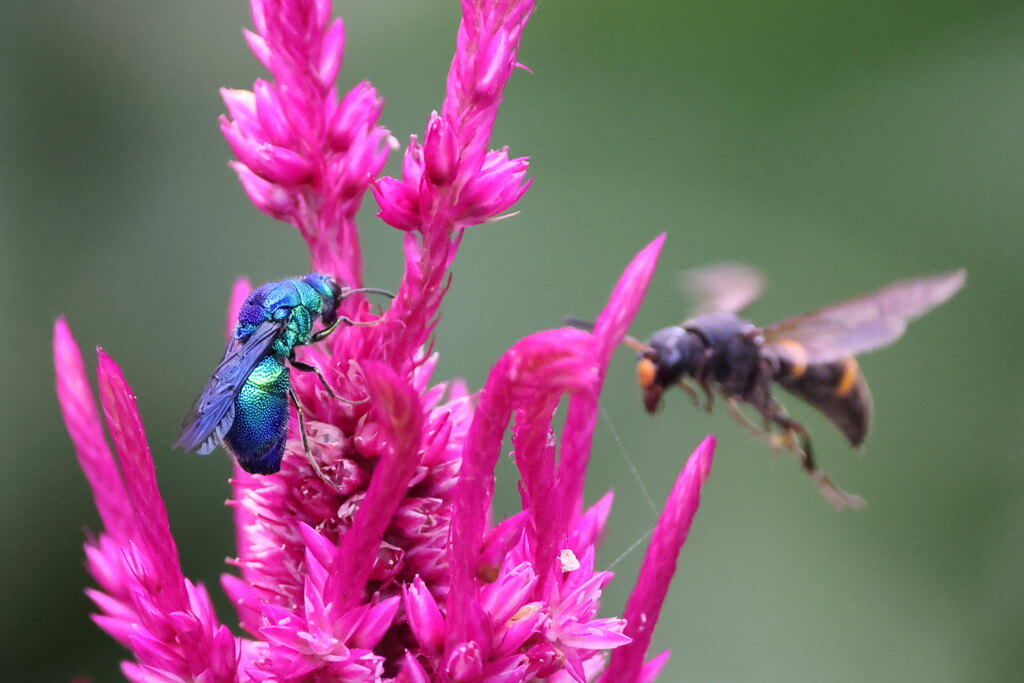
<point x="257" y="435"/>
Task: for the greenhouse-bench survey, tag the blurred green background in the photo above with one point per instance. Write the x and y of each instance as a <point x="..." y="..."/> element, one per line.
<point x="837" y="146"/>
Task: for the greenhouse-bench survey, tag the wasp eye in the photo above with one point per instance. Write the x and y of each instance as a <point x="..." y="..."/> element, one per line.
<point x="645" y="372"/>
<point x="336" y="291"/>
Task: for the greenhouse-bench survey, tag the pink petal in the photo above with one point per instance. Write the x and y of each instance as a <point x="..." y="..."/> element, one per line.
<point x="465" y="662"/>
<point x="493" y="66"/>
<point x="375" y="623"/>
<point x="424" y="616"/>
<point x="271" y="162"/>
<point x="511" y="669"/>
<point x="356" y="112"/>
<point x="411" y="671"/>
<point x="331" y="52"/>
<point x="659" y="565"/>
<point x="241" y="106"/>
<point x="440" y="151"/>
<point x="600" y="634"/>
<point x="272" y="115"/>
<point x="270" y="198"/>
<point x="653" y="667"/>
<point x="399" y="207"/>
<point x="503" y="598"/>
<point x="528" y="621"/>
<point x="259" y="48"/>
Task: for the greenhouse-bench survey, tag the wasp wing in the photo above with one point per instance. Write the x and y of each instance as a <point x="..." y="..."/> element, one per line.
<point x="721" y="288"/>
<point x="867" y="322"/>
<point x="213" y="412"/>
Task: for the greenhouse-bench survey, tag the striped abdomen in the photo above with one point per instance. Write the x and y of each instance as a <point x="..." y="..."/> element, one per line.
<point x="836" y="388"/>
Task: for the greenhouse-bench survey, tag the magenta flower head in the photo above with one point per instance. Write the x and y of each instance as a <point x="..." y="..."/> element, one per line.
<point x="388" y="567"/>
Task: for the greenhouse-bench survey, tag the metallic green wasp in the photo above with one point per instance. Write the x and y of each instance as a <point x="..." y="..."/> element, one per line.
<point x="244" y="405"/>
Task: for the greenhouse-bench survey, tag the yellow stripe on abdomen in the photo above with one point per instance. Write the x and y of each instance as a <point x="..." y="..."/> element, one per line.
<point x="796" y="356"/>
<point x="849" y="377"/>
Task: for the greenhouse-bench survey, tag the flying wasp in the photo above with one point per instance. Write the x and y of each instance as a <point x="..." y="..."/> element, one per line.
<point x="811" y="356"/>
<point x="244" y="405"/>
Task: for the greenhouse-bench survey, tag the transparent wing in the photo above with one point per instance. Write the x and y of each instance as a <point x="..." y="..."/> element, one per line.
<point x="867" y="322"/>
<point x="721" y="288"/>
<point x="212" y="413"/>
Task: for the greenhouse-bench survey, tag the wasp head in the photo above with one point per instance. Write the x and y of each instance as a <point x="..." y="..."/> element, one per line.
<point x="667" y="356"/>
<point x="330" y="291"/>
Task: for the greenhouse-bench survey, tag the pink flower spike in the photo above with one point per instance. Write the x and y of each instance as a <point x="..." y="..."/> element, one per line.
<point x="615" y="319"/>
<point x="535" y="369"/>
<point x="387" y="566"/>
<point x="316" y="158"/>
<point x="399" y="415"/>
<point x="153" y="529"/>
<point x="659" y="565"/>
<point x="83" y="422"/>
<point x="609" y="329"/>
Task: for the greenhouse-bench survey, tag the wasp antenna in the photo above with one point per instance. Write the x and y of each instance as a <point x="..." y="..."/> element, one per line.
<point x="367" y="290"/>
<point x="578" y="323"/>
<point x="635" y="344"/>
<point x="586" y="325"/>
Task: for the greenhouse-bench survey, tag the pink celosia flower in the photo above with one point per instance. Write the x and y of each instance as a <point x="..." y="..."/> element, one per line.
<point x="392" y="570"/>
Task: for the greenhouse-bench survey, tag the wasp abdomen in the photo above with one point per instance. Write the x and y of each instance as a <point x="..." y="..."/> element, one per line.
<point x="257" y="435"/>
<point x="836" y="388"/>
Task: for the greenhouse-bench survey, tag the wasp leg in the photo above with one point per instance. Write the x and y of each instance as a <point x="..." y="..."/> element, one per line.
<point x="356" y="323"/>
<point x="305" y="441"/>
<point x="801" y="447"/>
<point x="326" y="332"/>
<point x="709" y="398"/>
<point x="689" y="392"/>
<point x="306" y="367"/>
<point x="763" y="434"/>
